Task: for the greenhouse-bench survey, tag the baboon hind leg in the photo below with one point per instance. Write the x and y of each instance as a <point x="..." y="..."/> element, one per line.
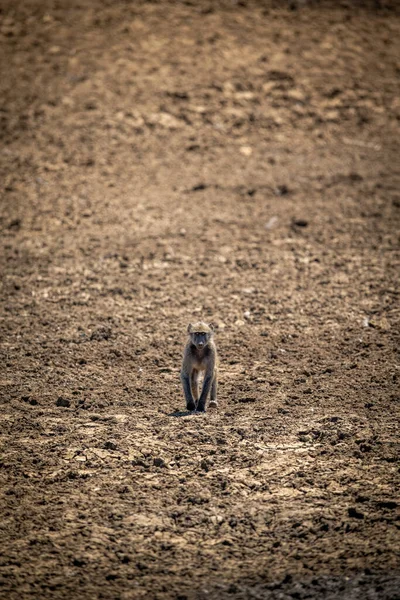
<point x="194" y="384"/>
<point x="213" y="392"/>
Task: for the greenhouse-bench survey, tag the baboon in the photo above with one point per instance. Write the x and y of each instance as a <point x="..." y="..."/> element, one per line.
<point x="200" y="355"/>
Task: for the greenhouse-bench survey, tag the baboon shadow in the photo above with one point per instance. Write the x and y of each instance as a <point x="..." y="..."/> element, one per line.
<point x="185" y="413"/>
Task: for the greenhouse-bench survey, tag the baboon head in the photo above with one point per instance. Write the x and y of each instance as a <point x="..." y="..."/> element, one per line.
<point x="200" y="334"/>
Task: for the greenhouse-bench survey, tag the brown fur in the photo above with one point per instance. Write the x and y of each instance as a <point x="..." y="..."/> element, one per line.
<point x="200" y="355"/>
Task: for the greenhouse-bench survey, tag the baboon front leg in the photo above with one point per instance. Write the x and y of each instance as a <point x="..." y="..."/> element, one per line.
<point x="204" y="393"/>
<point x="213" y="392"/>
<point x="190" y="404"/>
<point x="194" y="381"/>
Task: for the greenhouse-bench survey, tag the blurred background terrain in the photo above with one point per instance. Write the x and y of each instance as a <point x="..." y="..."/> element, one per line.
<point x="163" y="162"/>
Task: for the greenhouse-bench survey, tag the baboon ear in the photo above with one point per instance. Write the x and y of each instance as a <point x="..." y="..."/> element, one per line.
<point x="212" y="326"/>
<point x="190" y="328"/>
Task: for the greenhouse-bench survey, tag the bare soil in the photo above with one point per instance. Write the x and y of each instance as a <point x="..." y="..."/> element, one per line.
<point x="165" y="162"/>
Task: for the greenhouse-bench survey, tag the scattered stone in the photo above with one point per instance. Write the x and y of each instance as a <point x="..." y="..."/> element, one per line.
<point x="299" y="223"/>
<point x="296" y="95"/>
<point x="362" y="498"/>
<point x="332" y="116"/>
<point x="101" y="333"/>
<point x="159" y="462"/>
<point x="15" y="224"/>
<point x="111" y="445"/>
<point x="79" y="562"/>
<point x="139" y="462"/>
<point x="281" y="190"/>
<point x="64" y="402"/>
<point x="199" y="187"/>
<point x="380" y="323"/>
<point x="29" y="400"/>
<point x="271" y="223"/>
<point x="245" y="95"/>
<point x="125" y="559"/>
<point x="246" y="150"/>
<point x="165" y="120"/>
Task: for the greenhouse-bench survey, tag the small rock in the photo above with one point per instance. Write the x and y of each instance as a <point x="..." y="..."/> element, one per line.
<point x="159" y="462"/>
<point x="198" y="187"/>
<point x="245" y="95"/>
<point x="239" y="323"/>
<point x="281" y="190"/>
<point x="64" y="402"/>
<point x="15" y="224"/>
<point x="165" y="120"/>
<point x="246" y="150"/>
<point x="111" y="445"/>
<point x="79" y="562"/>
<point x="29" y="400"/>
<point x="299" y="223"/>
<point x="101" y="333"/>
<point x="332" y="116"/>
<point x="296" y="95"/>
<point x="271" y="223"/>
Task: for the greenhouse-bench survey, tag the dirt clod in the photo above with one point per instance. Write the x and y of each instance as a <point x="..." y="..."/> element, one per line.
<point x="111" y="445"/>
<point x="64" y="402"/>
<point x="101" y="333"/>
<point x="355" y="514"/>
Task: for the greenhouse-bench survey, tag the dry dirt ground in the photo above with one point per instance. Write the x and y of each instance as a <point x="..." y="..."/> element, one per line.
<point x="163" y="162"/>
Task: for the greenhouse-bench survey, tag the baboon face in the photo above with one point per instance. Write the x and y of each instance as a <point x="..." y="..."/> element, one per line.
<point x="200" y="339"/>
<point x="200" y="334"/>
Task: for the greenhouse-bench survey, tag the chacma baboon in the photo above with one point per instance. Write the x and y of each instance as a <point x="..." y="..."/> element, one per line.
<point x="200" y="355"/>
